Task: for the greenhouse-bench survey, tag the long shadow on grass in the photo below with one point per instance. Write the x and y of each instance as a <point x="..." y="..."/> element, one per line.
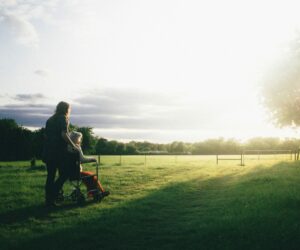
<point x="258" y="210"/>
<point x="39" y="212"/>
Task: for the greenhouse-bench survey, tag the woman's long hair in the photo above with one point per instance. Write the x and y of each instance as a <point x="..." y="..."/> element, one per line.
<point x="62" y="108"/>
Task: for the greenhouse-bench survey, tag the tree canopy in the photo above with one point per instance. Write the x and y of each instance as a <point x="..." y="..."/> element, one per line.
<point x="18" y="143"/>
<point x="281" y="88"/>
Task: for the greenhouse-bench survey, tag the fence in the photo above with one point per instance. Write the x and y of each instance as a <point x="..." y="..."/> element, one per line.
<point x="121" y="158"/>
<point x="257" y="154"/>
<point x="149" y="159"/>
<point x="241" y="158"/>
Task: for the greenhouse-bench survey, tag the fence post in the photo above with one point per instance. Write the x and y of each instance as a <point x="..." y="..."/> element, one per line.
<point x="97" y="169"/>
<point x="217" y="159"/>
<point x="145" y="160"/>
<point x="242" y="159"/>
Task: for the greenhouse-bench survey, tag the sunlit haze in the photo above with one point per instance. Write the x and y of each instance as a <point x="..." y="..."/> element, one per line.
<point x="145" y="70"/>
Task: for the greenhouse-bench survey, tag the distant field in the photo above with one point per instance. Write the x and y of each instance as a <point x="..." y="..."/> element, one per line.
<point x="159" y="202"/>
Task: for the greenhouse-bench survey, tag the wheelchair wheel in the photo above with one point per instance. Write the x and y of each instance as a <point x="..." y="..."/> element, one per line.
<point x="98" y="197"/>
<point x="60" y="197"/>
<point x="78" y="196"/>
<point x="74" y="195"/>
<point x="80" y="199"/>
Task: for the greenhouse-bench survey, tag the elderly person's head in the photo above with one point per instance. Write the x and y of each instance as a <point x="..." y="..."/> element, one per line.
<point x="76" y="137"/>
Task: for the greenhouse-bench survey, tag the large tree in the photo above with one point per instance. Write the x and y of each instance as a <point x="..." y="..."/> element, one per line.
<point x="281" y="88"/>
<point x="15" y="141"/>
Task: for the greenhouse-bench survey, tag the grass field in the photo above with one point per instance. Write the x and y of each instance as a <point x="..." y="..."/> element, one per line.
<point x="183" y="202"/>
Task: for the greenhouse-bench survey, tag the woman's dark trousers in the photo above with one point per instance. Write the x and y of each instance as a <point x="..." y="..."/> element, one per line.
<point x="53" y="187"/>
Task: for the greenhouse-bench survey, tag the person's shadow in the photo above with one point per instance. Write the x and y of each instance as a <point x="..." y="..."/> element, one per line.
<point x="39" y="211"/>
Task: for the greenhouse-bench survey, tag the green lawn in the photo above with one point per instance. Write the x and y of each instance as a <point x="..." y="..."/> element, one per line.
<point x="183" y="202"/>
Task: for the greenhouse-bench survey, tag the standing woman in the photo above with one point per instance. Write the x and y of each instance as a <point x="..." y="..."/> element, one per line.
<point x="55" y="152"/>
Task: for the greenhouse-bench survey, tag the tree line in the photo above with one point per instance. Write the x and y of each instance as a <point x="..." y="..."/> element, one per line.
<point x="19" y="143"/>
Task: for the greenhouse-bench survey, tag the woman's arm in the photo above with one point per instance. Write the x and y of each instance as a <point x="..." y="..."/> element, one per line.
<point x="68" y="140"/>
<point x="84" y="159"/>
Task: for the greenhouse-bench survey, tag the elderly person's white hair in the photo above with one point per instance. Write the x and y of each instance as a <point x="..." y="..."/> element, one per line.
<point x="76" y="136"/>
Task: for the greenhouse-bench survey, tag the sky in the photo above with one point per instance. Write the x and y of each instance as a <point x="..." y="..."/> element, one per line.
<point x="159" y="70"/>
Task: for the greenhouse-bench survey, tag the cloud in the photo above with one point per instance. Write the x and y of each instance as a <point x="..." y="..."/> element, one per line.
<point x="126" y="101"/>
<point x="140" y="109"/>
<point x="23" y="31"/>
<point x="29" y="97"/>
<point x="28" y="114"/>
<point x="106" y="108"/>
<point x="129" y="109"/>
<point x="18" y="17"/>
<point x="7" y="3"/>
<point x="42" y="72"/>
